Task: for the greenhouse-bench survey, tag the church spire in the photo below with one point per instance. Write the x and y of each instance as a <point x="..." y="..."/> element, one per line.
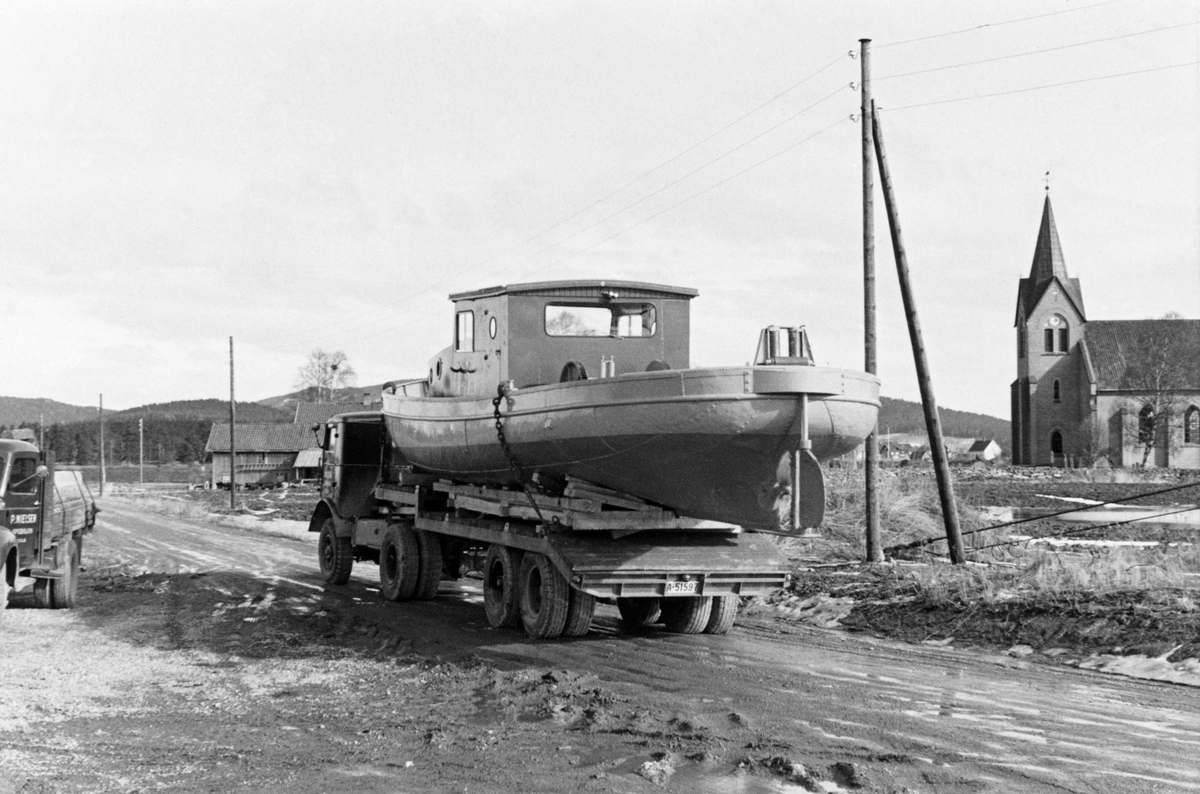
<point x="1047" y="254"/>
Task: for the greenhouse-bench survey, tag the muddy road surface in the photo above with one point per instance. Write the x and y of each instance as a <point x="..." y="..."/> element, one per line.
<point x="210" y="658"/>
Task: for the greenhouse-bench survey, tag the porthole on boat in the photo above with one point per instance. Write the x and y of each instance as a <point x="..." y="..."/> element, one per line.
<point x="492" y="328"/>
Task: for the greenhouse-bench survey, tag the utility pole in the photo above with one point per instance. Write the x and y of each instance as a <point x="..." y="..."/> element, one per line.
<point x="141" y="454"/>
<point x="232" y="436"/>
<point x="933" y="424"/>
<point x="42" y="432"/>
<point x="871" y="459"/>
<point x="102" y="445"/>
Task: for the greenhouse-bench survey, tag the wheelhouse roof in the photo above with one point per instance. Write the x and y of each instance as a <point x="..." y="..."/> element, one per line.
<point x="570" y="288"/>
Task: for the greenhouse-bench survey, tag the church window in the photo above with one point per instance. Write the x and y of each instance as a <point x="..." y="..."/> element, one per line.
<point x="1191" y="426"/>
<point x="1057" y="391"/>
<point x="1056" y="443"/>
<point x="1057" y="334"/>
<point x="1146" y="425"/>
<point x="1021" y="336"/>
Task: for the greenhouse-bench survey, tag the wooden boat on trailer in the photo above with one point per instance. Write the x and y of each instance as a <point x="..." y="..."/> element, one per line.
<point x="563" y="382"/>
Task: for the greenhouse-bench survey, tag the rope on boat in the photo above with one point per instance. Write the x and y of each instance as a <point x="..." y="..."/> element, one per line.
<point x="502" y="393"/>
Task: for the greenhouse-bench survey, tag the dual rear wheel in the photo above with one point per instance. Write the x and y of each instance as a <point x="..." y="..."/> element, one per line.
<point x="526" y="589"/>
<point x="682" y="615"/>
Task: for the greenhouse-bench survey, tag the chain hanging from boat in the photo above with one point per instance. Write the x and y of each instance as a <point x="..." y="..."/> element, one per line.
<point x="502" y="393"/>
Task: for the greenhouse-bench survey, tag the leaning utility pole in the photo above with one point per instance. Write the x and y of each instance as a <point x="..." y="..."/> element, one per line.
<point x="232" y="436"/>
<point x="871" y="460"/>
<point x="933" y="424"/>
<point x="102" y="445"/>
<point x="141" y="453"/>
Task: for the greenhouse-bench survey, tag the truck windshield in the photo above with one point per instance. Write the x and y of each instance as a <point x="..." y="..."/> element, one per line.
<point x="627" y="320"/>
<point x="22" y="477"/>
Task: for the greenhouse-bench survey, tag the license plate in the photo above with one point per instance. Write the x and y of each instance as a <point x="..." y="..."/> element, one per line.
<point x="681" y="587"/>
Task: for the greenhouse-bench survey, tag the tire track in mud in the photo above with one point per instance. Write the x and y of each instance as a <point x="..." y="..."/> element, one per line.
<point x="942" y="717"/>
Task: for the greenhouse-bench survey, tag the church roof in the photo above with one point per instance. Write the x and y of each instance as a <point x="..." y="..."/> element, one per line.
<point x="1048" y="265"/>
<point x="1118" y="348"/>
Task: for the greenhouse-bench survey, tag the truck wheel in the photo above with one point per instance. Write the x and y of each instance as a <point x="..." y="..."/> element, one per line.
<point x="544" y="597"/>
<point x="399" y="563"/>
<point x="41" y="593"/>
<point x="500" y="570"/>
<point x="687" y="614"/>
<point x="62" y="591"/>
<point x="639" y="611"/>
<point x="430" y="557"/>
<point x="581" y="607"/>
<point x="335" y="554"/>
<point x="724" y="611"/>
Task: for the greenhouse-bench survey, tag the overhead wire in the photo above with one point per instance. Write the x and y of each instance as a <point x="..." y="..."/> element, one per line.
<point x="1040" y="87"/>
<point x="630" y="183"/>
<point x="996" y="24"/>
<point x="1034" y="52"/>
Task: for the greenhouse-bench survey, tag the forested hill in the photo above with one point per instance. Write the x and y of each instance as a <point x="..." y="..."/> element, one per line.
<point x="903" y="416"/>
<point x="213" y="410"/>
<point x="173" y="432"/>
<point x="15" y="410"/>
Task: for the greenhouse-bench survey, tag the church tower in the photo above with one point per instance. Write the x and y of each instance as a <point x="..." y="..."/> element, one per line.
<point x="1051" y="396"/>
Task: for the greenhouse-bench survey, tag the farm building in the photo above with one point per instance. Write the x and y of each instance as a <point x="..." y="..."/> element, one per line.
<point x="266" y="453"/>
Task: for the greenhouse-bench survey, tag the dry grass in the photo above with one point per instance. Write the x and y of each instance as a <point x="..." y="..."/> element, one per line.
<point x="1000" y="571"/>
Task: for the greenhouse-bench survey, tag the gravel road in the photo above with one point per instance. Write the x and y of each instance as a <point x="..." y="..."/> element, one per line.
<point x="209" y="658"/>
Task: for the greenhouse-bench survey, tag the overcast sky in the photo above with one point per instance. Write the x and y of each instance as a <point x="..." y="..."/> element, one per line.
<point x="312" y="174"/>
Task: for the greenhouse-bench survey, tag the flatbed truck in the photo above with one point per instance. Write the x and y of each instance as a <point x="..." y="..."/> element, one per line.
<point x="547" y="552"/>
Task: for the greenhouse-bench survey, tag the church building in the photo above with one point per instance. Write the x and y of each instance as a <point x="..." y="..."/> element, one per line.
<point x="1099" y="392"/>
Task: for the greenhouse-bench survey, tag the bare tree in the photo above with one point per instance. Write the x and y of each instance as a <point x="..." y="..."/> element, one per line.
<point x="1157" y="362"/>
<point x="1093" y="446"/>
<point x="323" y="372"/>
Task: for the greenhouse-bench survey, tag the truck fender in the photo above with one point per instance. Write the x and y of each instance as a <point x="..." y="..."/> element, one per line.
<point x="324" y="510"/>
<point x="8" y="555"/>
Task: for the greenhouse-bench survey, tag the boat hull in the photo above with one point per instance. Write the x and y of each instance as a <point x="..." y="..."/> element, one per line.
<point x="707" y="443"/>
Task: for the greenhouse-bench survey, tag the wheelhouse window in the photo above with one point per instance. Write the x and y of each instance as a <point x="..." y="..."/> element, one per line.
<point x="464" y="333"/>
<point x="619" y="320"/>
<point x="1191" y="425"/>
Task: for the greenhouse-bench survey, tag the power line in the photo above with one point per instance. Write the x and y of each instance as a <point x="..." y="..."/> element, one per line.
<point x="655" y="215"/>
<point x="996" y="24"/>
<point x="601" y="200"/>
<point x="1042" y="87"/>
<point x="1035" y="52"/>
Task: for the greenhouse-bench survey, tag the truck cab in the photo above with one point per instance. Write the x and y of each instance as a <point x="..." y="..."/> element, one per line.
<point x="44" y="514"/>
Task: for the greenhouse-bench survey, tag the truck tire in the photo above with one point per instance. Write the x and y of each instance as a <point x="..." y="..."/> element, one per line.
<point x="724" y="612"/>
<point x="544" y="597"/>
<point x="500" y="570"/>
<point x="581" y="607"/>
<point x="430" y="558"/>
<point x="399" y="563"/>
<point x="639" y="611"/>
<point x="686" y="614"/>
<point x="63" y="591"/>
<point x="335" y="555"/>
<point x="41" y="593"/>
